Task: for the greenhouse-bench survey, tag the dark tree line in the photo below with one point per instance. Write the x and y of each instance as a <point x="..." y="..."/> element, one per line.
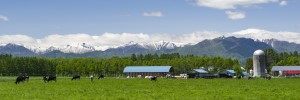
<point x="12" y="66"/>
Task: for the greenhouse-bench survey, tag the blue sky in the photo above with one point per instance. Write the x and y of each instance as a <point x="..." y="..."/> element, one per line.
<point x="40" y="24"/>
<point x="40" y="18"/>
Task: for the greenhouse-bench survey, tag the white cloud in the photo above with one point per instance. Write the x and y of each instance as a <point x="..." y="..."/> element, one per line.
<point x="235" y="15"/>
<point x="261" y="34"/>
<point x="283" y="3"/>
<point x="108" y="40"/>
<point x="153" y="14"/>
<point x="231" y="4"/>
<point x="3" y="18"/>
<point x="17" y="39"/>
<point x="235" y="4"/>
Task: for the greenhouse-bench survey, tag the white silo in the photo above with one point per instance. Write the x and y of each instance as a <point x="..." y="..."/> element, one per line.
<point x="259" y="63"/>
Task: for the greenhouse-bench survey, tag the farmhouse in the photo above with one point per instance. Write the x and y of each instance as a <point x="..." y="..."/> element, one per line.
<point x="134" y="71"/>
<point x="197" y="73"/>
<point x="285" y="70"/>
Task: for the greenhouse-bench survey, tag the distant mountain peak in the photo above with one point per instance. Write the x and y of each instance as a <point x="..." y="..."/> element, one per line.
<point x="130" y="43"/>
<point x="14" y="49"/>
<point x="232" y="47"/>
<point x="282" y="46"/>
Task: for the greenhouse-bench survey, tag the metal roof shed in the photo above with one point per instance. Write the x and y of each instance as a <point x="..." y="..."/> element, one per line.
<point x="283" y="68"/>
<point x="133" y="71"/>
<point x="197" y="73"/>
<point x="147" y="69"/>
<point x="200" y="71"/>
<point x="231" y="73"/>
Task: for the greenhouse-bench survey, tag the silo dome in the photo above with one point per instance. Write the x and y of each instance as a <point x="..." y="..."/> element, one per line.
<point x="258" y="52"/>
<point x="259" y="63"/>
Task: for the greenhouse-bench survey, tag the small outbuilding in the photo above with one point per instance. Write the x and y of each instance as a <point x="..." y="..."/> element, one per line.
<point x="197" y="73"/>
<point x="142" y="71"/>
<point x="227" y="74"/>
<point x="231" y="74"/>
<point x="285" y="70"/>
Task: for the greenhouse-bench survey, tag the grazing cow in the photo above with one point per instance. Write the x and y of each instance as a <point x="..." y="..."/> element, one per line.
<point x="139" y="76"/>
<point x="249" y="77"/>
<point x="268" y="77"/>
<point x="45" y="78"/>
<point x="92" y="77"/>
<point x="49" y="78"/>
<point x="101" y="76"/>
<point x="238" y="77"/>
<point x="153" y="78"/>
<point x="26" y="78"/>
<point x="20" y="79"/>
<point x="76" y="77"/>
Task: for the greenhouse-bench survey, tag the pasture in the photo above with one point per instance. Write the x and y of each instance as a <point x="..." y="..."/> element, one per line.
<point x="124" y="89"/>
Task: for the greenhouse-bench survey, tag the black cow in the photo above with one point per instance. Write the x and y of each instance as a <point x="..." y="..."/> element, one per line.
<point x="101" y="76"/>
<point x="76" y="77"/>
<point x="49" y="78"/>
<point x="267" y="76"/>
<point x="20" y="79"/>
<point x="153" y="78"/>
<point x="250" y="77"/>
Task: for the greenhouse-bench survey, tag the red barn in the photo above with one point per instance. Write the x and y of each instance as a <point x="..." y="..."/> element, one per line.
<point x="285" y="70"/>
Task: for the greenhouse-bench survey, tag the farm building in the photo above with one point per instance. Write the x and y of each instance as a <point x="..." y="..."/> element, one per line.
<point x="285" y="70"/>
<point x="230" y="74"/>
<point x="197" y="73"/>
<point x="134" y="71"/>
<point x="227" y="74"/>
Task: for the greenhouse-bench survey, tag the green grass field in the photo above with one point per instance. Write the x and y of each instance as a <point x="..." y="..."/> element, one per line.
<point x="140" y="89"/>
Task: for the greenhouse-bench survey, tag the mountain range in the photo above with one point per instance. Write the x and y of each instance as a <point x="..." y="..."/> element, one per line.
<point x="231" y="47"/>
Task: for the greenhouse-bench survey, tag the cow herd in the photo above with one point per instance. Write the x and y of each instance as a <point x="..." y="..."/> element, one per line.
<point x="46" y="79"/>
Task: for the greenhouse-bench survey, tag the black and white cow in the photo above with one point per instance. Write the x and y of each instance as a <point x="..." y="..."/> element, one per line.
<point x="26" y="78"/>
<point x="153" y="78"/>
<point x="267" y="76"/>
<point x="49" y="78"/>
<point x="75" y="77"/>
<point x="20" y="79"/>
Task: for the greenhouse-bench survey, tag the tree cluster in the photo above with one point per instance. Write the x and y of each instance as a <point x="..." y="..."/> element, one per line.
<point x="108" y="66"/>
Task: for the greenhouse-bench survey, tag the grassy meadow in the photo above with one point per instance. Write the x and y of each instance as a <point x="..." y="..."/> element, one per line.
<point x="140" y="89"/>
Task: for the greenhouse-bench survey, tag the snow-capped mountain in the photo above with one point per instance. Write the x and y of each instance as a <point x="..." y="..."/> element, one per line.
<point x="132" y="47"/>
<point x="84" y="48"/>
<point x="270" y="42"/>
<point x="161" y="45"/>
<point x="79" y="48"/>
<point x="52" y="48"/>
<point x="282" y="46"/>
<point x="225" y="47"/>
